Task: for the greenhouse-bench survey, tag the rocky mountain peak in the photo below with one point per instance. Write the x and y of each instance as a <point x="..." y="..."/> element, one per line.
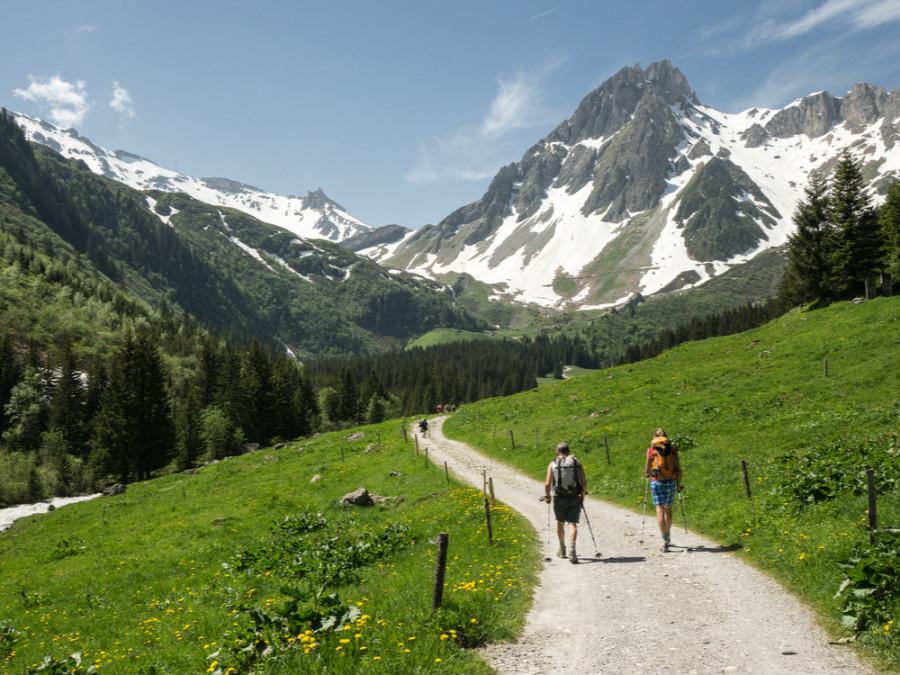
<point x="319" y="201"/>
<point x="644" y="190"/>
<point x="612" y="106"/>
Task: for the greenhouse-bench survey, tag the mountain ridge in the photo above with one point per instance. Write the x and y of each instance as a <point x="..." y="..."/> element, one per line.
<point x="642" y="190"/>
<point x="645" y="190"/>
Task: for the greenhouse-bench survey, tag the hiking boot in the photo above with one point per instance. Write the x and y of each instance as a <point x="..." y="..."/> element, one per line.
<point x="573" y="557"/>
<point x="665" y="546"/>
<point x="561" y="551"/>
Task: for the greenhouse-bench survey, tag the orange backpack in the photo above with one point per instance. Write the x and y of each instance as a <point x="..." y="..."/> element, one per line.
<point x="664" y="465"/>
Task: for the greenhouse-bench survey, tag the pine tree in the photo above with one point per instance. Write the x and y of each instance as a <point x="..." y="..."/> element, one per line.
<point x="257" y="416"/>
<point x="854" y="243"/>
<point x="889" y="224"/>
<point x="67" y="404"/>
<point x="348" y="394"/>
<point x="807" y="274"/>
<point x="375" y="411"/>
<point x="188" y="443"/>
<point x="133" y="434"/>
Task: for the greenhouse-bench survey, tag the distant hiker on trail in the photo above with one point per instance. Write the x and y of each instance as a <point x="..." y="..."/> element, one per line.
<point x="423" y="427"/>
<point x="440" y="408"/>
<point x="565" y="476"/>
<point x="664" y="471"/>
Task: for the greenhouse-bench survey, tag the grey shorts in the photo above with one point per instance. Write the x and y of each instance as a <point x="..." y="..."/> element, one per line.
<point x="567" y="509"/>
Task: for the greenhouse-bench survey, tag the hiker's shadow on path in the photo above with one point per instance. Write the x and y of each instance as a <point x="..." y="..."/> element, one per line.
<point x="716" y="549"/>
<point x="622" y="559"/>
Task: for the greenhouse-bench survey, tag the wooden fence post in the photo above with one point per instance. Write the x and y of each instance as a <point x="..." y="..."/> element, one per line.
<point x="416" y="436"/>
<point x="403" y="431"/>
<point x="746" y="478"/>
<point x="825" y="364"/>
<point x="871" y="287"/>
<point x="491" y="488"/>
<point x="440" y="568"/>
<point x="446" y="472"/>
<point x="608" y="460"/>
<point x="495" y="432"/>
<point x="873" y="512"/>
<point x="747" y="489"/>
<point x="487" y="517"/>
<point x="426" y="458"/>
<point x="512" y="439"/>
<point x="342" y="453"/>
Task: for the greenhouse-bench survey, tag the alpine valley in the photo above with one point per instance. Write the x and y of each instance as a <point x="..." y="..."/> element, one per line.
<point x="643" y="191"/>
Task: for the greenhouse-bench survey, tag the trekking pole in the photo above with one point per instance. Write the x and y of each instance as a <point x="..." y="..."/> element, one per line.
<point x="644" y="518"/>
<point x="590" y="529"/>
<point x="547" y="499"/>
<point x="681" y="495"/>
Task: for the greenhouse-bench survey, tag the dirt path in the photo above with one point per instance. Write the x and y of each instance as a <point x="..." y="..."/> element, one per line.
<point x="637" y="610"/>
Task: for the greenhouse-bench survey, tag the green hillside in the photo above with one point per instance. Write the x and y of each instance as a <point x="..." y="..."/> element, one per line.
<point x="213" y="569"/>
<point x="762" y="396"/>
<point x="234" y="565"/>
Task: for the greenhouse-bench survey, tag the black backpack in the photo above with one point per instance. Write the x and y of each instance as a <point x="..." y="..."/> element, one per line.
<point x="566" y="476"/>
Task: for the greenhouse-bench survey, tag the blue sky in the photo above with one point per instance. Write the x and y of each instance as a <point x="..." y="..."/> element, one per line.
<point x="403" y="111"/>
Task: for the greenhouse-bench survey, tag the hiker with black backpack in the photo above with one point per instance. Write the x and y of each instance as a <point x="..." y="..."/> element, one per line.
<point x="663" y="470"/>
<point x="565" y="476"/>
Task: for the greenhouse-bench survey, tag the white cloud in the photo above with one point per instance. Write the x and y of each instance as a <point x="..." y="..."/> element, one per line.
<point x="855" y="14"/>
<point x="771" y="26"/>
<point x="516" y="106"/>
<point x="474" y="153"/>
<point x="66" y="103"/>
<point x="121" y="101"/>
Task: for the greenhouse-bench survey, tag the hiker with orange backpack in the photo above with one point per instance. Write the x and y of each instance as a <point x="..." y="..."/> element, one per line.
<point x="663" y="470"/>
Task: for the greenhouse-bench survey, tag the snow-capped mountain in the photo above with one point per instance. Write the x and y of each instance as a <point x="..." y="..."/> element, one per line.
<point x="644" y="189"/>
<point x="313" y="216"/>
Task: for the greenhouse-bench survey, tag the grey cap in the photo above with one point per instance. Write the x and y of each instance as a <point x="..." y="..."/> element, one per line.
<point x="562" y="447"/>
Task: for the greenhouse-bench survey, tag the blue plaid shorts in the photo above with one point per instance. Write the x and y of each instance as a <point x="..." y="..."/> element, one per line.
<point x="663" y="492"/>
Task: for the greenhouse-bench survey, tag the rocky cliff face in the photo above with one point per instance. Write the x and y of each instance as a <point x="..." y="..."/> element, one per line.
<point x="644" y="189"/>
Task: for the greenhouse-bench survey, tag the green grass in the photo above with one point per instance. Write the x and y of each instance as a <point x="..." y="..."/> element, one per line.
<point x="442" y="336"/>
<point x="757" y="396"/>
<point x="188" y="573"/>
<point x="188" y="570"/>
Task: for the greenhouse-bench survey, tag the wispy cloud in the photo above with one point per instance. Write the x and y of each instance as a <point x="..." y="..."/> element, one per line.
<point x="474" y="152"/>
<point x="821" y="67"/>
<point x="770" y="24"/>
<point x="516" y="106"/>
<point x="121" y="102"/>
<point x="65" y="103"/>
<point x="854" y="15"/>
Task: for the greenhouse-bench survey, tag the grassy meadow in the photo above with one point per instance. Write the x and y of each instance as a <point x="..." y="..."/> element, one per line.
<point x="809" y="402"/>
<point x="249" y="565"/>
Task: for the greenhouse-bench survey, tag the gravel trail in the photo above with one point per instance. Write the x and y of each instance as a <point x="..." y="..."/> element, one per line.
<point x="637" y="610"/>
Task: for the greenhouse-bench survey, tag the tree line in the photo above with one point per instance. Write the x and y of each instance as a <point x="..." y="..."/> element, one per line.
<point x="840" y="238"/>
